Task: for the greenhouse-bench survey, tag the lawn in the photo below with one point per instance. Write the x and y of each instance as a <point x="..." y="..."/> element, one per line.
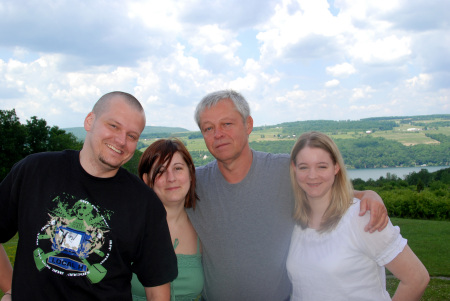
<point x="430" y="240"/>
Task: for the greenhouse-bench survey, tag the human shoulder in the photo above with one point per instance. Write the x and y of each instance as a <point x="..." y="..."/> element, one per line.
<point x="51" y="155"/>
<point x="378" y="245"/>
<point x="47" y="159"/>
<point x="206" y="169"/>
<point x="270" y="160"/>
<point x="352" y="216"/>
<point x="270" y="156"/>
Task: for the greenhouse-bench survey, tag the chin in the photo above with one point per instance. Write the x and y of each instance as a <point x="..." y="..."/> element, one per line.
<point x="114" y="164"/>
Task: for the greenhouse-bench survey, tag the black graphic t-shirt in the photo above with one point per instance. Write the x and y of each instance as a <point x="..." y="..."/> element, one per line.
<point x="81" y="237"/>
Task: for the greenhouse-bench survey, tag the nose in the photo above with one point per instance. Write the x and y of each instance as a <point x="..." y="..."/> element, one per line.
<point x="312" y="173"/>
<point x="170" y="176"/>
<point x="218" y="133"/>
<point x="121" y="138"/>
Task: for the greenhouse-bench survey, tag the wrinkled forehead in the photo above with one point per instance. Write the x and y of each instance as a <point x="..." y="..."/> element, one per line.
<point x="220" y="109"/>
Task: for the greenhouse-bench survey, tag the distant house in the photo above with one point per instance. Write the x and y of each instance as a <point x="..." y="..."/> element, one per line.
<point x="413" y="130"/>
<point x="368" y="132"/>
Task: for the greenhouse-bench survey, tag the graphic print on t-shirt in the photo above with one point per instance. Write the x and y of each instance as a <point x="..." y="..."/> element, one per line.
<point x="75" y="241"/>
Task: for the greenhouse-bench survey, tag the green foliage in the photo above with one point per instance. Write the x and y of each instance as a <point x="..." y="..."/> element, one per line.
<point x="12" y="141"/>
<point x="18" y="140"/>
<point x="201" y="157"/>
<point x="155" y="135"/>
<point x="276" y="147"/>
<point x="371" y="152"/>
<point x="330" y="126"/>
<point x="420" y="186"/>
<point x="439" y="137"/>
<point x="133" y="164"/>
<point x="422" y="195"/>
<point x="140" y="145"/>
<point x="409" y="119"/>
<point x="196" y="135"/>
<point x="408" y="203"/>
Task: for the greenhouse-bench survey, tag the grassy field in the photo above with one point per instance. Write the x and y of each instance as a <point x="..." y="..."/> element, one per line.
<point x="430" y="240"/>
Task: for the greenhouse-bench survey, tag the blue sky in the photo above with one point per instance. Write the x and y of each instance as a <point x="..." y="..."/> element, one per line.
<point x="292" y="60"/>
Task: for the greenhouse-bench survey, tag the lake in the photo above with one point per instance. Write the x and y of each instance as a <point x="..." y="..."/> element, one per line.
<point x="401" y="172"/>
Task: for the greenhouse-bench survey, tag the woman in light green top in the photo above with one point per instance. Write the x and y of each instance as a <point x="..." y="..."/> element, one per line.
<point x="167" y="167"/>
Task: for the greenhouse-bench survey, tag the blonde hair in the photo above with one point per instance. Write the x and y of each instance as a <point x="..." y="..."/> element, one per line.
<point x="341" y="191"/>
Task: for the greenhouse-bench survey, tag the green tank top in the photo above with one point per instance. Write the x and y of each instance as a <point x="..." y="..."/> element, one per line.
<point x="187" y="286"/>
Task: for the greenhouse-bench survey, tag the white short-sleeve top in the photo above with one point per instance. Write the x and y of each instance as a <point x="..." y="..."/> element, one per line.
<point x="344" y="264"/>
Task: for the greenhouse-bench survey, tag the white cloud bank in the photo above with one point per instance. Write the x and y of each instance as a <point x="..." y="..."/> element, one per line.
<point x="293" y="60"/>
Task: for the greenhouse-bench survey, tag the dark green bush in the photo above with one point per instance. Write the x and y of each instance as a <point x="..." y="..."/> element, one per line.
<point x="427" y="204"/>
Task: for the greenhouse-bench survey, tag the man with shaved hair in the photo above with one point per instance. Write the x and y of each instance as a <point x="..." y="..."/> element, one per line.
<point x="86" y="224"/>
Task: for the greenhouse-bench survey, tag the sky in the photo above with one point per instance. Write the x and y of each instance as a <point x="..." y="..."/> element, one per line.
<point x="293" y="60"/>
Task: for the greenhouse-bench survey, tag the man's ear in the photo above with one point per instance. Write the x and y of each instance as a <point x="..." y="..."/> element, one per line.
<point x="89" y="121"/>
<point x="249" y="124"/>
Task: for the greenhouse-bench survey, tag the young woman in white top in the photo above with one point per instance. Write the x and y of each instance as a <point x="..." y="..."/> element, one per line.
<point x="331" y="257"/>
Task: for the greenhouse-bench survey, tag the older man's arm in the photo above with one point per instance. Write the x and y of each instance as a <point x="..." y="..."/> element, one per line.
<point x="370" y="200"/>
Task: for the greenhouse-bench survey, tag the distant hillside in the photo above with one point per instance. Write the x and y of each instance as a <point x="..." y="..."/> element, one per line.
<point x="80" y="132"/>
<point x="367" y="124"/>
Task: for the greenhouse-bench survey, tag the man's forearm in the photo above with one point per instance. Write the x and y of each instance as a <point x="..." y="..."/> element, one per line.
<point x="357" y="194"/>
<point x="367" y="194"/>
<point x="5" y="271"/>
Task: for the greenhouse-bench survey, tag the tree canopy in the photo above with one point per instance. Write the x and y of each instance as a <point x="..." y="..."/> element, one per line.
<point x="20" y="140"/>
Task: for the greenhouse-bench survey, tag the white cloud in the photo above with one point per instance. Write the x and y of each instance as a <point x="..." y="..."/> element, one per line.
<point x="157" y="15"/>
<point x="420" y="81"/>
<point x="378" y="50"/>
<point x="292" y="59"/>
<point x="362" y="93"/>
<point x="344" y="69"/>
<point x="212" y="40"/>
<point x="332" y="83"/>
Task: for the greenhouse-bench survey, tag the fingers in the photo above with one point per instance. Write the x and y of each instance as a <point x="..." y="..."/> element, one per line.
<point x="372" y="222"/>
<point x="363" y="208"/>
<point x="378" y="220"/>
<point x="386" y="221"/>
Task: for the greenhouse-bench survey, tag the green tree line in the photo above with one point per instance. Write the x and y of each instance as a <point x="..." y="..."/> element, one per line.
<point x="20" y="140"/>
<point x="412" y="118"/>
<point x="420" y="195"/>
<point x="331" y="126"/>
<point x="376" y="152"/>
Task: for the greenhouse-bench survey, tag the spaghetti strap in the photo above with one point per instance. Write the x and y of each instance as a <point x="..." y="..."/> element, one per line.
<point x="175" y="244"/>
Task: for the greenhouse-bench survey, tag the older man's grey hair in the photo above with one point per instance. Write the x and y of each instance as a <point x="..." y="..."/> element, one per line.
<point x="214" y="98"/>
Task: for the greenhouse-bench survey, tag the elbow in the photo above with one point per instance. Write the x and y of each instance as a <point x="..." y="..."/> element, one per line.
<point x="425" y="279"/>
<point x="422" y="280"/>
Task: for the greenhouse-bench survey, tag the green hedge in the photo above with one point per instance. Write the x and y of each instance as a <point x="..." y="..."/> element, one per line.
<point x="427" y="204"/>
